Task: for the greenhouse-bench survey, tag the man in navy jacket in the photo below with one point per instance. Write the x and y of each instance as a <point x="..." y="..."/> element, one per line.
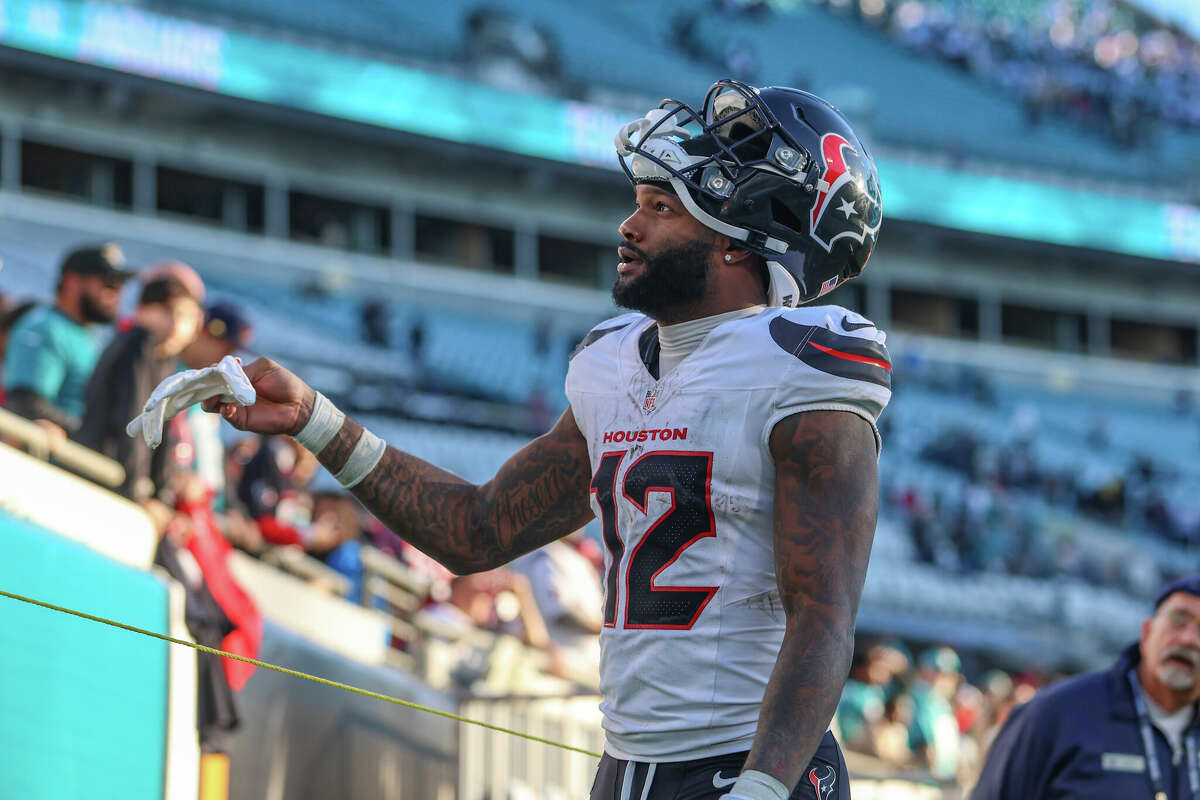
<point x="1128" y="732"/>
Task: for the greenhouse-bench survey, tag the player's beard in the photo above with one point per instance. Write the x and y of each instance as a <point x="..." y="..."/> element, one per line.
<point x="674" y="278"/>
<point x="92" y="311"/>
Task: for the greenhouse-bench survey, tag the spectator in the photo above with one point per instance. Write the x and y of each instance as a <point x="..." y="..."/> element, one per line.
<point x="216" y="708"/>
<point x="181" y="272"/>
<point x="1114" y="733"/>
<point x="498" y="600"/>
<point x="225" y="331"/>
<point x="416" y="341"/>
<point x="873" y="675"/>
<point x="891" y="738"/>
<point x="568" y="593"/>
<point x="7" y="321"/>
<point x="1108" y="65"/>
<point x="338" y="539"/>
<point x="206" y="544"/>
<point x="273" y="490"/>
<point x="136" y="361"/>
<point x="52" y="350"/>
<point x="934" y="732"/>
<point x="376" y="322"/>
<point x="236" y="525"/>
<point x="862" y="704"/>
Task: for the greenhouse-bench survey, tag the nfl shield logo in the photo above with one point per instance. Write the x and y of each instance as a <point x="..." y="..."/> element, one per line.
<point x="648" y="403"/>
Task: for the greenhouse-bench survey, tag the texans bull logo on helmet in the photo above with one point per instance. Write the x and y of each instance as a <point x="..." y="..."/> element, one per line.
<point x="840" y="211"/>
<point x="823" y="780"/>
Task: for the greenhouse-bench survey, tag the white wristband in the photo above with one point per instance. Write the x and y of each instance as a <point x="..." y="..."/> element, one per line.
<point x="323" y="424"/>
<point x="755" y="785"/>
<point x="364" y="458"/>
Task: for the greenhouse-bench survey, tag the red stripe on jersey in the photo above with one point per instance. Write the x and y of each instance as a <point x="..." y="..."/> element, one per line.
<point x="852" y="357"/>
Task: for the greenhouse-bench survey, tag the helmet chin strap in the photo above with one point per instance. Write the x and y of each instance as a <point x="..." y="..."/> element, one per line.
<point x="783" y="289"/>
<point x="709" y="221"/>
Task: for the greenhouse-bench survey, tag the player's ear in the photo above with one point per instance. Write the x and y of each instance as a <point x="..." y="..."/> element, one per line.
<point x="735" y="256"/>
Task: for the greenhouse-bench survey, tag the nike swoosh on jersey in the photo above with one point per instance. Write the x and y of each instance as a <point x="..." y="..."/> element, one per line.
<point x="847" y="325"/>
<point x="851" y="357"/>
<point x="721" y="783"/>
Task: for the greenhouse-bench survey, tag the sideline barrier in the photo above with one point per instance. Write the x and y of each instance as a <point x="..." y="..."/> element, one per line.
<point x="501" y="766"/>
<point x="86" y="711"/>
<point x="504" y="766"/>
<point x="83" y="709"/>
<point x="303" y="740"/>
<point x="73" y="507"/>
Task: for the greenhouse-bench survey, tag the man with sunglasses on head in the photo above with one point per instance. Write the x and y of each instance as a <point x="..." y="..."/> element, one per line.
<point x="724" y="437"/>
<point x="52" y="350"/>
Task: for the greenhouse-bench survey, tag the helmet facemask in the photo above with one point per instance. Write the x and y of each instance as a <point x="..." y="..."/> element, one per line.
<point x="742" y="173"/>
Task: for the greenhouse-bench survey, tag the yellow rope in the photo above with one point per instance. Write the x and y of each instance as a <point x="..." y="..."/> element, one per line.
<point x="294" y="673"/>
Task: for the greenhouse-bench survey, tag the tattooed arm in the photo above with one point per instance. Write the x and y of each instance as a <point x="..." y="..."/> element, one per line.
<point x="539" y="495"/>
<point x="826" y="500"/>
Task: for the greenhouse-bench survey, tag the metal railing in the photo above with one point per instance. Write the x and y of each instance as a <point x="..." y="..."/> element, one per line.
<point x="75" y="457"/>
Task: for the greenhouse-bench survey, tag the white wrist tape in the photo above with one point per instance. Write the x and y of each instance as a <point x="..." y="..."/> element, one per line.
<point x="755" y="785"/>
<point x="323" y="424"/>
<point x="364" y="458"/>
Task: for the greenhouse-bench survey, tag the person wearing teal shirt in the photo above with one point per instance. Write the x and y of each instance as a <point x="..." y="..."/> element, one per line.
<point x="52" y="350"/>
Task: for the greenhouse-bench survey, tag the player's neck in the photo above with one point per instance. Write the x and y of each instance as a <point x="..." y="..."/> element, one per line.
<point x="708" y="307"/>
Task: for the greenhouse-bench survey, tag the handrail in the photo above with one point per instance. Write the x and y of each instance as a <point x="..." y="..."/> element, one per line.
<point x="75" y="457"/>
<point x="314" y="571"/>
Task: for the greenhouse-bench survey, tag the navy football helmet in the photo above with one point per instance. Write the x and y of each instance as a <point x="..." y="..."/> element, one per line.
<point x="779" y="171"/>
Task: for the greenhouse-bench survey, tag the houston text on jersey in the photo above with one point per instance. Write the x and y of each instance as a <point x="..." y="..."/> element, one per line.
<point x="652" y="435"/>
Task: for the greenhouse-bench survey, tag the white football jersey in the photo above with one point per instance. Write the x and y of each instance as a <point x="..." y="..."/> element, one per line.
<point x="683" y="486"/>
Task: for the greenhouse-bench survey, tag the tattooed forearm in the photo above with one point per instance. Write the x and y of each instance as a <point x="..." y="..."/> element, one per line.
<point x="826" y="500"/>
<point x="539" y="495"/>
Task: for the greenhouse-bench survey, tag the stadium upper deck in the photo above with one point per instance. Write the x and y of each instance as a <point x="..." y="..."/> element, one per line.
<point x="907" y="96"/>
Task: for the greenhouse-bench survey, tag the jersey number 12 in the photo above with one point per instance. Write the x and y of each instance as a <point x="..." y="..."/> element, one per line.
<point x="687" y="477"/>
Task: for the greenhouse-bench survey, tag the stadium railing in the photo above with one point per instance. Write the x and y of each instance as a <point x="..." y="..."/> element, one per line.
<point x="504" y="766"/>
<point x="41" y="445"/>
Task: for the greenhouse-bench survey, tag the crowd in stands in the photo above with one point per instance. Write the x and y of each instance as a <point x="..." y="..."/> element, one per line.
<point x="995" y="496"/>
<point x="1103" y="63"/>
<point x="922" y="713"/>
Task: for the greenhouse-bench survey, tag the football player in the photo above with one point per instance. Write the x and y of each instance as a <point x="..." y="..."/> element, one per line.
<point x="723" y="434"/>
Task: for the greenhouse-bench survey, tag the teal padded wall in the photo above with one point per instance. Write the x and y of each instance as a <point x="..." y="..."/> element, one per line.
<point x="83" y="706"/>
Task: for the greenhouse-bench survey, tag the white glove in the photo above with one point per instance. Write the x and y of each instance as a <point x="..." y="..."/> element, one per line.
<point x="183" y="389"/>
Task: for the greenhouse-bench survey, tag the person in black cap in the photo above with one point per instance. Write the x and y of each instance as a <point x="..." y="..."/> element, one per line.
<point x="52" y="350"/>
<point x="225" y="331"/>
<point x="1129" y="731"/>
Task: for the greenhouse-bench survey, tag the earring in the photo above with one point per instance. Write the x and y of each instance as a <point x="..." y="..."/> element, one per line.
<point x="728" y="257"/>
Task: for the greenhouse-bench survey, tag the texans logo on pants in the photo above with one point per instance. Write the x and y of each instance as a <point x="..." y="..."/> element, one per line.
<point x="823" y="779"/>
